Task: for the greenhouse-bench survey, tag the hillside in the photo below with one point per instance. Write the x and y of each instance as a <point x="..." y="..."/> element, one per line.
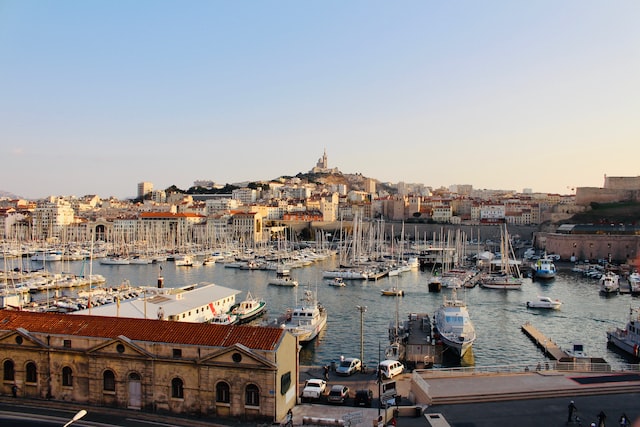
<point x="608" y="213"/>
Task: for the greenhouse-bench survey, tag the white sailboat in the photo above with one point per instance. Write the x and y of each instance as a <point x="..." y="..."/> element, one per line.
<point x="509" y="276"/>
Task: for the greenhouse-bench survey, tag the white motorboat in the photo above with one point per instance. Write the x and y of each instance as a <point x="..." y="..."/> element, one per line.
<point x="634" y="282"/>
<point x="115" y="260"/>
<point x="609" y="283"/>
<point x="627" y="339"/>
<point x="224" y="319"/>
<point x="577" y="351"/>
<point x="338" y="282"/>
<point x="454" y="325"/>
<point x="544" y="268"/>
<point x="307" y="319"/>
<point x="286" y="281"/>
<point x="544" y="302"/>
<point x="183" y="261"/>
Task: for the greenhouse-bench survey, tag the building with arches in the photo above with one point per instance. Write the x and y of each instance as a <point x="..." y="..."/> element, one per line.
<point x="247" y="372"/>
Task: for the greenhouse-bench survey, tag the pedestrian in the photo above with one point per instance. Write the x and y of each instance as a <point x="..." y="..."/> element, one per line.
<point x="624" y="420"/>
<point x="14" y="390"/>
<point x="601" y="418"/>
<point x="326" y="372"/>
<point x="572" y="409"/>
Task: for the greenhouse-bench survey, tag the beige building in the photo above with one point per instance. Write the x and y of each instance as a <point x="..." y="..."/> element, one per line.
<point x="152" y="365"/>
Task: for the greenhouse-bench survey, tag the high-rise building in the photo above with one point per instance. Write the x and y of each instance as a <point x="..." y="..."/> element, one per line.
<point x="144" y="188"/>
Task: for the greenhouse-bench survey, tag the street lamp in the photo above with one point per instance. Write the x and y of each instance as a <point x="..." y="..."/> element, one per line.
<point x="81" y="413"/>
<point x="362" y="309"/>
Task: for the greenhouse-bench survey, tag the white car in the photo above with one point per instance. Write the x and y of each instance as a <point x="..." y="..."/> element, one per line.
<point x="314" y="389"/>
<point x="390" y="368"/>
<point x="349" y="366"/>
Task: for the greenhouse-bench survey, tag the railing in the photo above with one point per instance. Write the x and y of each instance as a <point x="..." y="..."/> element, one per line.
<point x="577" y="366"/>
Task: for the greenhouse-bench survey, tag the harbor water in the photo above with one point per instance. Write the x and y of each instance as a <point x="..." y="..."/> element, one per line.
<point x="498" y="315"/>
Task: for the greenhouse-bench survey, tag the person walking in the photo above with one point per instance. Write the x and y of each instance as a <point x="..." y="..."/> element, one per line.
<point x="624" y="420"/>
<point x="572" y="409"/>
<point x="326" y="372"/>
<point x="14" y="390"/>
<point x="601" y="418"/>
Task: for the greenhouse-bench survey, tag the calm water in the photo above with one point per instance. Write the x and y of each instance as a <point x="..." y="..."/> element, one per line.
<point x="497" y="315"/>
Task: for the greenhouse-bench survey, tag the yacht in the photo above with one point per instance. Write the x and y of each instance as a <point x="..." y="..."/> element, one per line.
<point x="454" y="325"/>
<point x="609" y="283"/>
<point x="627" y="339"/>
<point x="307" y="319"/>
<point x="545" y="302"/>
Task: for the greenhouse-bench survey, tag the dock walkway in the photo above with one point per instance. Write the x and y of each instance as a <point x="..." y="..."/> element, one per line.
<point x="550" y="348"/>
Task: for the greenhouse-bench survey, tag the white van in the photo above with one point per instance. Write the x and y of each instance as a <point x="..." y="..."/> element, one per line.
<point x="390" y="368"/>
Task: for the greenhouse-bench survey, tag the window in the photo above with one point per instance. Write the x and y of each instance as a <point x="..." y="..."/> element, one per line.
<point x="285" y="383"/>
<point x="177" y="388"/>
<point x="177" y="353"/>
<point x="67" y="343"/>
<point x="67" y="377"/>
<point x="9" y="372"/>
<point x="252" y="395"/>
<point x="108" y="381"/>
<point x="222" y="393"/>
<point x="32" y="373"/>
<point x="120" y="348"/>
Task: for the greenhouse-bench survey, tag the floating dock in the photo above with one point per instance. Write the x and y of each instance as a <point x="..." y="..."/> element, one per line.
<point x="550" y="348"/>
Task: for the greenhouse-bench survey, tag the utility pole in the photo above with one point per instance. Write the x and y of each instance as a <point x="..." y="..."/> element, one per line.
<point x="362" y="309"/>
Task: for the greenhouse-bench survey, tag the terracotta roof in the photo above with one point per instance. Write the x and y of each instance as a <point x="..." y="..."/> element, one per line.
<point x="254" y="337"/>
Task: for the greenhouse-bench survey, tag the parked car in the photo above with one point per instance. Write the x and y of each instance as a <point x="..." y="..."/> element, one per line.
<point x="338" y="394"/>
<point x="363" y="398"/>
<point x="390" y="368"/>
<point x="349" y="366"/>
<point x="314" y="389"/>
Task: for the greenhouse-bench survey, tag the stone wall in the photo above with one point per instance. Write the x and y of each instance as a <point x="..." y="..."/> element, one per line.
<point x="616" y="248"/>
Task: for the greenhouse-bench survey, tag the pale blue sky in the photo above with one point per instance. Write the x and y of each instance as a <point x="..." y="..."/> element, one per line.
<point x="96" y="96"/>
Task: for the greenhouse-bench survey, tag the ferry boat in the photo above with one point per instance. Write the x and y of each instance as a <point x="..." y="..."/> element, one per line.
<point x="627" y="339"/>
<point x="306" y="320"/>
<point x="454" y="325"/>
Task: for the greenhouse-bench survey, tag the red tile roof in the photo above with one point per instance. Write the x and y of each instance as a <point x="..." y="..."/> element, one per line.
<point x="254" y="337"/>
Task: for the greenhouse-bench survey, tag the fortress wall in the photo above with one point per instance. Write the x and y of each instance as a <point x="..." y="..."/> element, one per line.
<point x="622" y="182"/>
<point x="618" y="248"/>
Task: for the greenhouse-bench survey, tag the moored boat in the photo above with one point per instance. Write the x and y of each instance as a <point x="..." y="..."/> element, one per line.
<point x="627" y="339"/>
<point x="249" y="309"/>
<point x="544" y="268"/>
<point x="307" y="319"/>
<point x="394" y="291"/>
<point x="454" y="325"/>
<point x="609" y="283"/>
<point x="337" y="282"/>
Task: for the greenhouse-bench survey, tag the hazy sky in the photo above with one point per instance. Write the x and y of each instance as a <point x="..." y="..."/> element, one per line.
<point x="96" y="96"/>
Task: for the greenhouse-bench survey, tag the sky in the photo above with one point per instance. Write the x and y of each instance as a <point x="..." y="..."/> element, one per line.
<point x="97" y="96"/>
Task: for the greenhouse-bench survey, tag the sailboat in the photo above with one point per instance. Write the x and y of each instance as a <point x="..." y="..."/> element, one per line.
<point x="509" y="276"/>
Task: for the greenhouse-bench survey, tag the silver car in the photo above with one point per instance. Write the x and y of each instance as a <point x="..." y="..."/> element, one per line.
<point x="349" y="366"/>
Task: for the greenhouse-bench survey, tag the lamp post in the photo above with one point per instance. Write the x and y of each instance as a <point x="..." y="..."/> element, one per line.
<point x="81" y="413"/>
<point x="362" y="309"/>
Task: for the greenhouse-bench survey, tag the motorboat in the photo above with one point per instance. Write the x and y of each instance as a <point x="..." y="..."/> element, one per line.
<point x="544" y="302"/>
<point x="627" y="339"/>
<point x="435" y="284"/>
<point x="392" y="292"/>
<point x="283" y="280"/>
<point x="338" y="282"/>
<point x="249" y="309"/>
<point x="634" y="282"/>
<point x="609" y="283"/>
<point x="224" y="319"/>
<point x="306" y="320"/>
<point x="183" y="261"/>
<point x="454" y="325"/>
<point x="577" y="351"/>
<point x="544" y="268"/>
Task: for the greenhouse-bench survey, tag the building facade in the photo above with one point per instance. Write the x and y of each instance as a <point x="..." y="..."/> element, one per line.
<point x="153" y="365"/>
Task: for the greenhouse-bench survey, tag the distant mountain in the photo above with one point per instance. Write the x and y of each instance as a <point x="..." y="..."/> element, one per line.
<point x="8" y="195"/>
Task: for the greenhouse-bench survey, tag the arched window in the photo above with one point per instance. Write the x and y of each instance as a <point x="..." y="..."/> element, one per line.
<point x="108" y="381"/>
<point x="222" y="392"/>
<point x="9" y="372"/>
<point x="67" y="377"/>
<point x="252" y="395"/>
<point x="32" y="373"/>
<point x="177" y="388"/>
